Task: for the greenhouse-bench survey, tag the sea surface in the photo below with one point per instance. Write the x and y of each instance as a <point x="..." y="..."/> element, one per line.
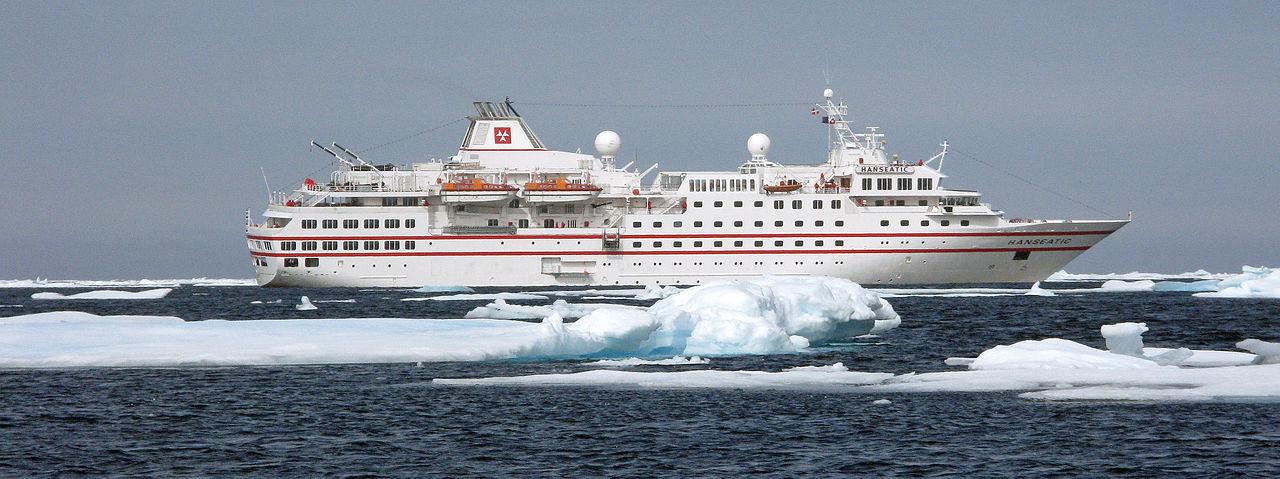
<point x="390" y="420"/>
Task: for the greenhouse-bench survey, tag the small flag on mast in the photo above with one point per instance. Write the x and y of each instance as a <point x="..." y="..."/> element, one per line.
<point x="814" y="111"/>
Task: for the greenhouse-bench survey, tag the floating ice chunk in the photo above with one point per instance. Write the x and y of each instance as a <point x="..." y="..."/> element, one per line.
<point x="1122" y="285"/>
<point x="1172" y="357"/>
<point x="1252" y="283"/>
<point x="1205" y="358"/>
<point x="947" y="292"/>
<point x="304" y="304"/>
<point x="603" y="293"/>
<point x="274" y="301"/>
<point x="481" y="297"/>
<point x="1124" y="338"/>
<point x="832" y="368"/>
<point x="883" y="325"/>
<point x="499" y="309"/>
<point x="958" y="361"/>
<point x="882" y="402"/>
<point x="108" y="294"/>
<point x="10" y="305"/>
<point x="1268" y="353"/>
<point x="1054" y="353"/>
<point x="441" y="288"/>
<point x="654" y="291"/>
<point x="706" y="378"/>
<point x="1036" y="290"/>
<point x="1063" y="276"/>
<point x="1171" y="286"/>
<point x="335" y="301"/>
<point x="673" y="361"/>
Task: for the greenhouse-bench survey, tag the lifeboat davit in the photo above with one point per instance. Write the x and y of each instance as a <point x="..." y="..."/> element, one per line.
<point x="475" y="190"/>
<point x="783" y="187"/>
<point x="559" y="191"/>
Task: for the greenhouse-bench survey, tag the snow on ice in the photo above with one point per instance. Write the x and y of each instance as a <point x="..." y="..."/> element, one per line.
<point x="481" y="297"/>
<point x="157" y="293"/>
<point x="499" y="309"/>
<point x="629" y="362"/>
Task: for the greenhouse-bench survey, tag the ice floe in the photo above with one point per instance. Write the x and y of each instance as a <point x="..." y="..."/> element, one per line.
<point x="654" y="291"/>
<point x="499" y="309"/>
<point x="157" y="293"/>
<point x="304" y="304"/>
<point x="1268" y="353"/>
<point x="442" y="288"/>
<point x="1063" y="276"/>
<point x="629" y="362"/>
<point x="123" y="283"/>
<point x="482" y="297"/>
<point x="1036" y="290"/>
<point x="1251" y="283"/>
<point x="790" y="379"/>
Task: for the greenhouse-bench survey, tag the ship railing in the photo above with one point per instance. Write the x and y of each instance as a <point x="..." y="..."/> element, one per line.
<point x="838" y="190"/>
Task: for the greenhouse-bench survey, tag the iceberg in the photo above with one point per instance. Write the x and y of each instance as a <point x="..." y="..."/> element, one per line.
<point x="1122" y="285"/>
<point x="1268" y="353"/>
<point x="763" y="316"/>
<point x="499" y="309"/>
<point x="1064" y="277"/>
<point x="1251" y="283"/>
<point x="304" y="304"/>
<point x="157" y="293"/>
<point x="1170" y="286"/>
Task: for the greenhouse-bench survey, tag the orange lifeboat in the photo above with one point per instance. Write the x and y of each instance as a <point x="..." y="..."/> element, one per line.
<point x="559" y="191"/>
<point x="787" y="186"/>
<point x="475" y="190"/>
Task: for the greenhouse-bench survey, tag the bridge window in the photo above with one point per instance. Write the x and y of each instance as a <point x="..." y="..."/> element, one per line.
<point x="924" y="184"/>
<point x="308" y="224"/>
<point x="904" y="183"/>
<point x="288" y="245"/>
<point x="866" y="184"/>
<point x="884" y="183"/>
<point x="835" y="204"/>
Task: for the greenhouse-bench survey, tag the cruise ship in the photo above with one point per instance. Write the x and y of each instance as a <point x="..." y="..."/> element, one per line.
<point x="506" y="211"/>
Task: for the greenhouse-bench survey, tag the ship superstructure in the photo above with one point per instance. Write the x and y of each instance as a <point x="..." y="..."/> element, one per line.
<point x="506" y="211"/>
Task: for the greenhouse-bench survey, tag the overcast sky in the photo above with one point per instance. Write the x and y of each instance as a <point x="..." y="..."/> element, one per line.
<point x="132" y="134"/>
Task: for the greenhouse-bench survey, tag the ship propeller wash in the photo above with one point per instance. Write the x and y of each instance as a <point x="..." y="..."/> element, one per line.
<point x="507" y="211"/>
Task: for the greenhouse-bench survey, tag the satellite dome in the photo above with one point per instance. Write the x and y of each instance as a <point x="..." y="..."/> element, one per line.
<point x="827" y="93"/>
<point x="608" y="143"/>
<point x="758" y="144"/>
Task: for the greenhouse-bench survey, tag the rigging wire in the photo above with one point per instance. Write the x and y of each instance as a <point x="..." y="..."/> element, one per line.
<point x="412" y="136"/>
<point x="1034" y="184"/>
<point x="664" y="105"/>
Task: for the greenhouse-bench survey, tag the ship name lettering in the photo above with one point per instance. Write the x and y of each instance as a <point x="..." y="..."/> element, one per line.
<point x="1039" y="241"/>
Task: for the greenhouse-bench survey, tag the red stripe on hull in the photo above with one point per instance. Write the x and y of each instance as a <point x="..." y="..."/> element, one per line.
<point x="683" y="236"/>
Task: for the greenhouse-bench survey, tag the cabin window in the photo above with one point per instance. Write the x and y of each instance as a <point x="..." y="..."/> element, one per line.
<point x="777" y="224"/>
<point x="1021" y="255"/>
<point x="570" y="209"/>
<point x="818" y="243"/>
<point x="796" y="204"/>
<point x="697" y="244"/>
<point x="945" y="222"/>
<point x="329" y="245"/>
<point x="777" y="204"/>
<point x="523" y="222"/>
<point x="737" y="224"/>
<point x="718" y="244"/>
<point x="312" y="262"/>
<point x="884" y="222"/>
<point x="549" y="223"/>
<point x="635" y="244"/>
<point x="677" y="224"/>
<point x="308" y="224"/>
<point x="817" y="204"/>
<point x="657" y="224"/>
<point x="371" y="245"/>
<point x="718" y="204"/>
<point x="759" y="224"/>
<point x="308" y="245"/>
<point x="835" y="204"/>
<point x="410" y="223"/>
<point x="697" y="204"/>
<point x="759" y="243"/>
<point x="839" y="223"/>
<point x="390" y="223"/>
<point x="924" y="202"/>
<point x="964" y="222"/>
<point x="492" y="222"/>
<point x="635" y="224"/>
<point x="657" y="244"/>
<point x="391" y="245"/>
<point x="350" y="245"/>
<point x="288" y="245"/>
<point x="879" y="202"/>
<point x="924" y="222"/>
<point x="329" y="224"/>
<point x="350" y="224"/>
<point x="371" y="224"/>
<point x="818" y="223"/>
<point x="777" y="243"/>
<point x="718" y="224"/>
<point x="839" y="242"/>
<point x="904" y="222"/>
<point x="410" y="245"/>
<point x="389" y="201"/>
<point x="737" y="204"/>
<point x="291" y="262"/>
<point x="924" y="184"/>
<point x="758" y="204"/>
<point x="884" y="183"/>
<point x="677" y="244"/>
<point x="697" y="224"/>
<point x="799" y="223"/>
<point x="866" y="184"/>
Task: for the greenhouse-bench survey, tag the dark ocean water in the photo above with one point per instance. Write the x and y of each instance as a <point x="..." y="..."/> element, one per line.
<point x="389" y="420"/>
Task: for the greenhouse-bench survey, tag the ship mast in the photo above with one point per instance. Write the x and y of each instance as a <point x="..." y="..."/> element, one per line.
<point x="840" y="137"/>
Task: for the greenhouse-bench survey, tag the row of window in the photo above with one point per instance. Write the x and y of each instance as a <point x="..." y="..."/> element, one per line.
<point x="736" y="224"/>
<point x="347" y="245"/>
<point x="353" y="224"/>
<point x="744" y="184"/>
<point x="736" y="244"/>
<point x="777" y="204"/>
<point x="903" y="184"/>
<point x="924" y="223"/>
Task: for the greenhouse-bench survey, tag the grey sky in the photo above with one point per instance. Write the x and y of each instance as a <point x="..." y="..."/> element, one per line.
<point x="133" y="133"/>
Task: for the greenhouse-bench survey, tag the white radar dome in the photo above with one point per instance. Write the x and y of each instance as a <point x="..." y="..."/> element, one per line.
<point x="827" y="93"/>
<point x="608" y="143"/>
<point x="758" y="144"/>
